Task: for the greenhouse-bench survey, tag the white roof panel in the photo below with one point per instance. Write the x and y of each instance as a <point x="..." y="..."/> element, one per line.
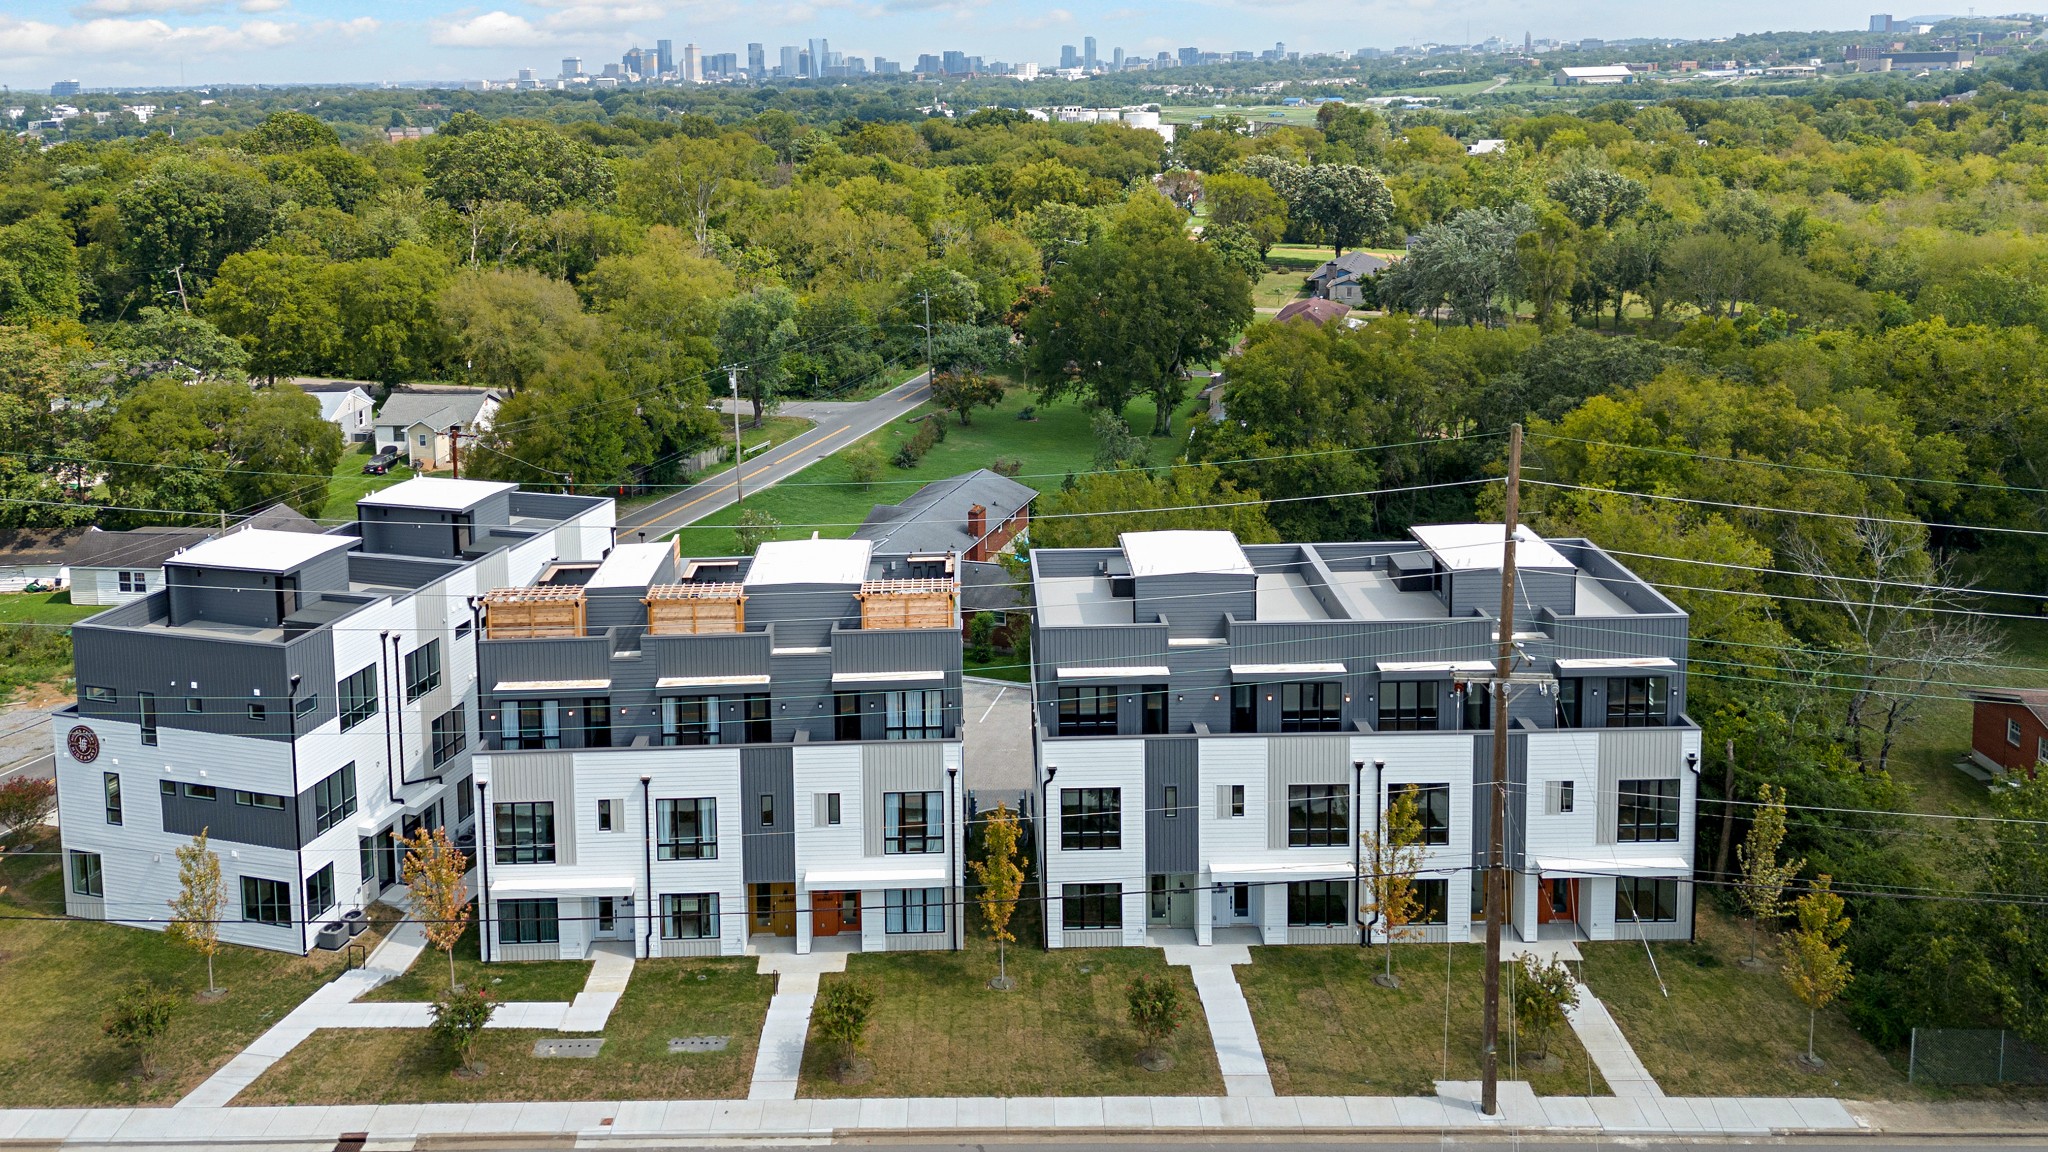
<point x="440" y="493"/>
<point x="262" y="550"/>
<point x="1617" y="662"/>
<point x="809" y="562"/>
<point x="1185" y="551"/>
<point x="1139" y="672"/>
<point x="1644" y="866"/>
<point x="815" y="878"/>
<point x="1328" y="669"/>
<point x="630" y="566"/>
<point x="1478" y="547"/>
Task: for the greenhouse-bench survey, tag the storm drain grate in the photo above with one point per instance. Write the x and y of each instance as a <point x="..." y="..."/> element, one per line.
<point x="698" y="1044"/>
<point x="568" y="1049"/>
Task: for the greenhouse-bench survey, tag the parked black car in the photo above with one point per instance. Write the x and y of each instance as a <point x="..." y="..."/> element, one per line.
<point x="380" y="463"/>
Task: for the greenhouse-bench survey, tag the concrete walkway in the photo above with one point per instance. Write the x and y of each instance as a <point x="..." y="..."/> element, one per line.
<point x="1611" y="1052"/>
<point x="780" y="1060"/>
<point x="1238" y="1054"/>
<point x="610" y="970"/>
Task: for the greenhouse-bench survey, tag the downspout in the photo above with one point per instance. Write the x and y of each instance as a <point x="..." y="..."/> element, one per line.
<point x="398" y="686"/>
<point x="647" y="850"/>
<point x="291" y="715"/>
<point x="952" y="785"/>
<point x="483" y="861"/>
<point x="1358" y="847"/>
<point x="384" y="686"/>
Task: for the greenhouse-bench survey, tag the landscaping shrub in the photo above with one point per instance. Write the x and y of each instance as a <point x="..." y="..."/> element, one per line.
<point x="842" y="1014"/>
<point x="140" y="1020"/>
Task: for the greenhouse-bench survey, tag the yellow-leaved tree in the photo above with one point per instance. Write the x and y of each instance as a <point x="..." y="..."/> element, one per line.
<point x="1387" y="868"/>
<point x="435" y="891"/>
<point x="1000" y="872"/>
<point x="1816" y="961"/>
<point x="197" y="909"/>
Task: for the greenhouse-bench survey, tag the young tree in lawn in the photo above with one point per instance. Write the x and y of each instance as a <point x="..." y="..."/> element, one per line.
<point x="1541" y="997"/>
<point x="961" y="392"/>
<point x="1390" y="858"/>
<point x="459" y="1019"/>
<point x="139" y="1021"/>
<point x="754" y="528"/>
<point x="436" y="893"/>
<point x="1157" y="1010"/>
<point x="201" y="901"/>
<point x="1000" y="872"/>
<point x="1816" y="962"/>
<point x="1761" y="884"/>
<point x="842" y="1014"/>
<point x="863" y="463"/>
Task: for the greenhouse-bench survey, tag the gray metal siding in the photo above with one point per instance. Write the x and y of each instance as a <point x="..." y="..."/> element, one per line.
<point x="1172" y="844"/>
<point x="1300" y="760"/>
<point x="228" y="673"/>
<point x="587" y="658"/>
<point x="725" y="654"/>
<point x="400" y="571"/>
<point x="614" y="607"/>
<point x="895" y="650"/>
<point x="229" y="822"/>
<point x="536" y="777"/>
<point x="803" y="615"/>
<point x="768" y="852"/>
<point x="897" y="766"/>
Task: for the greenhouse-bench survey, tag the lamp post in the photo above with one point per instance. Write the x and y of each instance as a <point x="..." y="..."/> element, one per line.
<point x="1044" y="859"/>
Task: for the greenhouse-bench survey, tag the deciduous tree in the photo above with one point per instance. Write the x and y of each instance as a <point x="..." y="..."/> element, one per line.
<point x="1761" y="883"/>
<point x="201" y="902"/>
<point x="436" y="893"/>
<point x="1816" y="963"/>
<point x="1389" y="861"/>
<point x="1542" y="994"/>
<point x="1000" y="876"/>
<point x="460" y="1017"/>
<point x="140" y="1021"/>
<point x="1157" y="1009"/>
<point x="841" y="1016"/>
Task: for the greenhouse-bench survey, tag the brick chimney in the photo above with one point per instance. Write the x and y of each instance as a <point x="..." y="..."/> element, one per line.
<point x="977" y="531"/>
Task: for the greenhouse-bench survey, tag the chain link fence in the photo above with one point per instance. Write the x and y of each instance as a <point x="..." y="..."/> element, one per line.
<point x="1974" y="1056"/>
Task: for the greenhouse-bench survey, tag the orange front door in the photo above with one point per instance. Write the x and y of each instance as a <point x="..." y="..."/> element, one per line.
<point x="1559" y="901"/>
<point x="834" y="912"/>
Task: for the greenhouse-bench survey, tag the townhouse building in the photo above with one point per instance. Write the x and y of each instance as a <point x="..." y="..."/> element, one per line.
<point x="302" y="697"/>
<point x="696" y="755"/>
<point x="1217" y="723"/>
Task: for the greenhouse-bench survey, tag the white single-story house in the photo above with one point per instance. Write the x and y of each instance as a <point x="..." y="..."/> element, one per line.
<point x="346" y="404"/>
<point x="116" y="567"/>
<point x="415" y="422"/>
<point x="34" y="556"/>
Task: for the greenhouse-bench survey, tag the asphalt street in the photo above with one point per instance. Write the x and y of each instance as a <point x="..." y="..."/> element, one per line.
<point x="838" y="424"/>
<point x="1387" y="1143"/>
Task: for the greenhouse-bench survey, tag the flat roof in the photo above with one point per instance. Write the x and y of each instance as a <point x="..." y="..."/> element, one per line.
<point x="630" y="566"/>
<point x="1185" y="551"/>
<point x="441" y="493"/>
<point x="1479" y="547"/>
<point x="1287" y="596"/>
<point x="810" y="562"/>
<point x="1595" y="598"/>
<point x="1066" y="601"/>
<point x="1373" y="596"/>
<point x="261" y="550"/>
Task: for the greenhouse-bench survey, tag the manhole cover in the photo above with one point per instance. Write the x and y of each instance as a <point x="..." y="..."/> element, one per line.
<point x="698" y="1044"/>
<point x="567" y="1049"/>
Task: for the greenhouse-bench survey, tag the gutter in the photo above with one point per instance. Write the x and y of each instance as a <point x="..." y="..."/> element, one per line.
<point x="647" y="850"/>
<point x="483" y="862"/>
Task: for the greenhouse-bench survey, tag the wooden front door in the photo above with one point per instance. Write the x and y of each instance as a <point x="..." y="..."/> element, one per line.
<point x="1559" y="901"/>
<point x="774" y="909"/>
<point x="834" y="912"/>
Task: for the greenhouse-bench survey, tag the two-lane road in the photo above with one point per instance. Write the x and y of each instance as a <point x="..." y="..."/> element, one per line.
<point x="837" y="425"/>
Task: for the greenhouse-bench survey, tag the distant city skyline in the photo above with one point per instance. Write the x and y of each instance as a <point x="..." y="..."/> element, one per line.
<point x="114" y="43"/>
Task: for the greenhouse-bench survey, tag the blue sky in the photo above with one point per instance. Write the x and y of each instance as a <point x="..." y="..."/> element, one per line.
<point x="114" y="42"/>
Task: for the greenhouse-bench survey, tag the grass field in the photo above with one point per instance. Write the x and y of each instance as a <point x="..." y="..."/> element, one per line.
<point x="43" y="608"/>
<point x="1278" y="287"/>
<point x="667" y="999"/>
<point x="1328" y="1030"/>
<point x="824" y="498"/>
<point x="1001" y="668"/>
<point x="535" y="980"/>
<point x="939" y="1030"/>
<point x="1924" y="762"/>
<point x="348" y="484"/>
<point x="1725" y="1030"/>
<point x="35" y="648"/>
<point x="60" y="975"/>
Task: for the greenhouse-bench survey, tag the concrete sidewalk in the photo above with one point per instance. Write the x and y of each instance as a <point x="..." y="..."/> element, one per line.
<point x="695" y="1120"/>
<point x="1611" y="1052"/>
<point x="1238" y="1053"/>
<point x="779" y="1061"/>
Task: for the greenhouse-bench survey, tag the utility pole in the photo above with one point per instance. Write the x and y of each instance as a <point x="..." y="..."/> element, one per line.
<point x="739" y="455"/>
<point x="179" y="272"/>
<point x="929" y="369"/>
<point x="1497" y="841"/>
<point x="455" y="449"/>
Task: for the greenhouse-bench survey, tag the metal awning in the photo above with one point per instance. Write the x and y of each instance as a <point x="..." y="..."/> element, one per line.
<point x="1138" y="672"/>
<point x="828" y="878"/>
<point x="1618" y="662"/>
<point x="734" y="681"/>
<point x="1475" y="666"/>
<point x="1232" y="871"/>
<point x="1261" y="670"/>
<point x="570" y="885"/>
<point x="551" y="685"/>
<point x="1640" y="866"/>
<point x="915" y="676"/>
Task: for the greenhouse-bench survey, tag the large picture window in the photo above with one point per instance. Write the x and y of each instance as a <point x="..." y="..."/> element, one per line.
<point x="1316" y="707"/>
<point x="357" y="696"/>
<point x="334" y="798"/>
<point x="1091" y="906"/>
<point x="1645" y="900"/>
<point x="689" y="916"/>
<point x="914" y="715"/>
<point x="525" y="833"/>
<point x="320" y="892"/>
<point x="529" y="922"/>
<point x="423" y="669"/>
<point x="450" y="736"/>
<point x="1088" y="710"/>
<point x="87" y="876"/>
<point x="686" y="829"/>
<point x="1091" y="819"/>
<point x="1637" y="701"/>
<point x="530" y="724"/>
<point x="1318" y="904"/>
<point x="1318" y="815"/>
<point x="1646" y="810"/>
<point x="266" y="901"/>
<point x="1432" y="902"/>
<point x="1432" y="808"/>
<point x="914" y="910"/>
<point x="1408" y="705"/>
<point x="912" y="822"/>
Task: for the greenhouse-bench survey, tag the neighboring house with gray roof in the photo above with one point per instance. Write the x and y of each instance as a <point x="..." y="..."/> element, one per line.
<point x="415" y="422"/>
<point x="974" y="515"/>
<point x="34" y="556"/>
<point x="1343" y="279"/>
<point x="116" y="567"/>
<point x="346" y="404"/>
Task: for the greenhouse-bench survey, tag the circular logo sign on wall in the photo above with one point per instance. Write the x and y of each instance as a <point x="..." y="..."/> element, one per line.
<point x="84" y="744"/>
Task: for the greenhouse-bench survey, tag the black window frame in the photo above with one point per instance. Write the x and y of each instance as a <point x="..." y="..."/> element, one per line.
<point x="266" y="801"/>
<point x="1318" y="815"/>
<point x="530" y="724"/>
<point x="1091" y="907"/>
<point x="1244" y="708"/>
<point x="423" y="670"/>
<point x="1318" y="903"/>
<point x="1091" y="819"/>
<point x="597" y="721"/>
<point x="535" y="921"/>
<point x="146" y="717"/>
<point x="1169" y="801"/>
<point x="1432" y="902"/>
<point x="701" y="913"/>
<point x="131" y="580"/>
<point x="1475" y="707"/>
<point x="604" y="815"/>
<point x="110" y="787"/>
<point x="1152" y="711"/>
<point x="1432" y="809"/>
<point x="355" y="696"/>
<point x="672" y="815"/>
<point x="904" y="836"/>
<point x="1647" y="805"/>
<point x="334" y="798"/>
<point x="931" y="713"/>
<point x="535" y="843"/>
<point x="449" y="739"/>
<point x="1404" y="706"/>
<point x="320" y="891"/>
<point x="1085" y="710"/>
<point x="1571" y="712"/>
<point x="1629" y="892"/>
<point x="266" y="902"/>
<point x="925" y="908"/>
<point x="207" y="793"/>
<point x="846" y="722"/>
<point x="1312" y="706"/>
<point x="1236" y="802"/>
<point x="1638" y="701"/>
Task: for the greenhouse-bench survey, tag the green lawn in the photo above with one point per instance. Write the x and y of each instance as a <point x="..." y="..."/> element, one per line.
<point x="528" y="980"/>
<point x="1299" y="115"/>
<point x="667" y="999"/>
<point x="1278" y="287"/>
<point x="43" y="608"/>
<point x="940" y="1030"/>
<point x="1328" y="1030"/>
<point x="824" y="498"/>
<point x="348" y="484"/>
<point x="1002" y="667"/>
<point x="60" y="975"/>
<point x="35" y="649"/>
<point x="1939" y="735"/>
<point x="1727" y="1031"/>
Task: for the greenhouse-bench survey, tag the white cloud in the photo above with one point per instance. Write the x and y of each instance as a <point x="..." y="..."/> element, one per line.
<point x="498" y="29"/>
<point x="263" y="5"/>
<point x="143" y="39"/>
<point x="145" y="7"/>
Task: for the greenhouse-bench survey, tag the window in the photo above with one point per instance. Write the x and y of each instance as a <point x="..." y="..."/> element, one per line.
<point x="305" y="706"/>
<point x="1087" y="711"/>
<point x="1408" y="705"/>
<point x="529" y="922"/>
<point x="1091" y="819"/>
<point x="686" y="829"/>
<point x="111" y="783"/>
<point x="767" y="810"/>
<point x="1433" y="902"/>
<point x="1170" y="801"/>
<point x="465" y="800"/>
<point x="1318" y="904"/>
<point x="463" y="630"/>
<point x="530" y="724"/>
<point x="607" y="914"/>
<point x="919" y="715"/>
<point x="1477" y="712"/>
<point x="1318" y="815"/>
<point x="358" y="697"/>
<point x="697" y="720"/>
<point x="258" y="712"/>
<point x="2041" y="748"/>
<point x="1236" y="798"/>
<point x="86" y="877"/>
<point x="206" y="792"/>
<point x="1647" y="810"/>
<point x="1645" y="899"/>
<point x="831" y="808"/>
<point x="911" y="822"/>
<point x="1432" y="807"/>
<point x="145" y="715"/>
<point x="1086" y="906"/>
<point x="266" y="902"/>
<point x="450" y="735"/>
<point x="1636" y="701"/>
<point x="597" y="722"/>
<point x="2012" y="733"/>
<point x="1244" y="708"/>
<point x="1152" y="710"/>
<point x="195" y="703"/>
<point x="167" y="787"/>
<point x="101" y="695"/>
<point x="423" y="669"/>
<point x="366" y="858"/>
<point x="1560" y="796"/>
<point x="334" y="799"/>
<point x="525" y="833"/>
<point x="320" y="892"/>
<point x="914" y="910"/>
<point x="604" y="815"/>
<point x="689" y="916"/>
<point x="1317" y="707"/>
<point x="260" y="800"/>
<point x="131" y="581"/>
<point x="1568" y="715"/>
<point x="846" y="716"/>
<point x="757" y="728"/>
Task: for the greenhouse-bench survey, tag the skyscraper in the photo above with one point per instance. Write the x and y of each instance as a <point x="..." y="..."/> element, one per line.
<point x="1088" y="52"/>
<point x="757" y="61"/>
<point x="819" y="49"/>
<point x="954" y="63"/>
<point x="1116" y="59"/>
<point x="665" y="56"/>
<point x="1068" y="57"/>
<point x="791" y="68"/>
<point x="693" y="68"/>
<point x="1189" y="57"/>
<point x="572" y="67"/>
